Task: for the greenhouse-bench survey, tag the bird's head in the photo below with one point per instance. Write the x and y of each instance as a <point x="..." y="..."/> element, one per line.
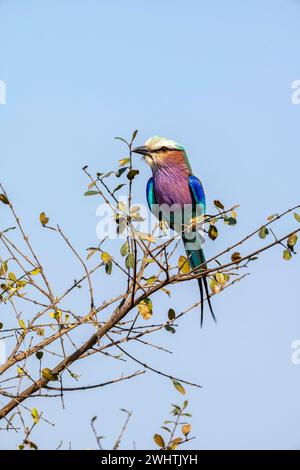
<point x="158" y="150"/>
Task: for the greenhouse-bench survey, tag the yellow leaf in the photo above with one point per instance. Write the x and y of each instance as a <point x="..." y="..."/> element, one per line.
<point x="48" y="375"/>
<point x="186" y="429"/>
<point x="159" y="440"/>
<point x="215" y="287"/>
<point x="145" y="308"/>
<point x="35" y="415"/>
<point x="22" y="324"/>
<point x="292" y="240"/>
<point x="106" y="258"/>
<point x="176" y="441"/>
<point x="56" y="315"/>
<point x="20" y="371"/>
<point x="184" y="265"/>
<point x="124" y="161"/>
<point x="43" y="219"/>
<point x="286" y="255"/>
<point x="179" y="387"/>
<point x="35" y="271"/>
<point x="221" y="279"/>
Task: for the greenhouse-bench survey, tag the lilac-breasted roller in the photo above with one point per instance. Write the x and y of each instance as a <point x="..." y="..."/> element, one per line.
<point x="175" y="195"/>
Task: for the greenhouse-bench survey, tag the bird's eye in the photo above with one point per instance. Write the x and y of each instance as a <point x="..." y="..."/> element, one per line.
<point x="164" y="149"/>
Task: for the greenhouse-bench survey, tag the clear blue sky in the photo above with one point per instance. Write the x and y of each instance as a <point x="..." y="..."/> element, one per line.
<point x="215" y="76"/>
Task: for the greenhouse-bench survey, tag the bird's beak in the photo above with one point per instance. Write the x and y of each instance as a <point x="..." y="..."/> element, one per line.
<point x="141" y="150"/>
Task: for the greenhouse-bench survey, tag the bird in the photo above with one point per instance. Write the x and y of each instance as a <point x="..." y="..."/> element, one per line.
<point x="175" y="195"/>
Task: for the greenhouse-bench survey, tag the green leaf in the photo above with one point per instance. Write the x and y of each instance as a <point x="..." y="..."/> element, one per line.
<point x="230" y="221"/>
<point x="12" y="277"/>
<point x="297" y="216"/>
<point x="185" y="404"/>
<point x="91" y="252"/>
<point x="151" y="280"/>
<point x="171" y="314"/>
<point x="118" y="188"/>
<point x="179" y="387"/>
<point x="132" y="174"/>
<point x="90" y="193"/>
<point x="129" y="262"/>
<point x="212" y="232"/>
<point x="176" y="410"/>
<point x="170" y="329"/>
<point x="107" y="175"/>
<point x="287" y="255"/>
<point x="4" y="199"/>
<point x="159" y="440"/>
<point x="166" y="291"/>
<point x="1" y="326"/>
<point x="39" y="355"/>
<point x="134" y="135"/>
<point x="57" y="314"/>
<point x="165" y="428"/>
<point x="108" y="267"/>
<point x="124" y="249"/>
<point x="4" y="268"/>
<point x="121" y="171"/>
<point x="122" y="140"/>
<point x="263" y="232"/>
